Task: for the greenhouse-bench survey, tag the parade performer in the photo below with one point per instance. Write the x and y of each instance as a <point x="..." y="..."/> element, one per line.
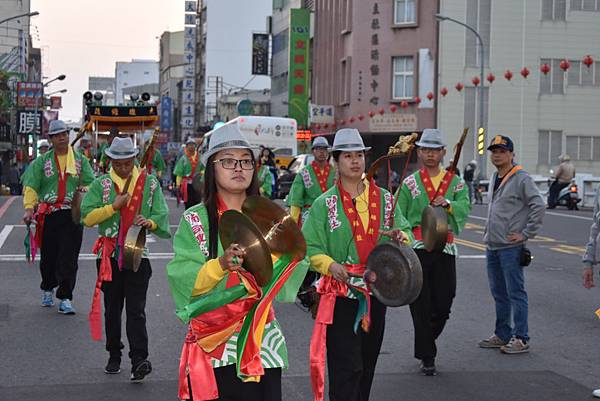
<point x="102" y="159"/>
<point x="343" y="226"/>
<point x="265" y="178"/>
<point x="112" y="204"/>
<point x="85" y="149"/>
<point x="219" y="359"/>
<point x="436" y="186"/>
<point x="43" y="147"/>
<point x="156" y="164"/>
<point x="187" y="166"/>
<point x="311" y="181"/>
<point x="50" y="182"/>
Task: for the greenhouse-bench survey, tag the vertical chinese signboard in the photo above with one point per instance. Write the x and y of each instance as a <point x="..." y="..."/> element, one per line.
<point x="260" y="54"/>
<point x="189" y="85"/>
<point x="299" y="63"/>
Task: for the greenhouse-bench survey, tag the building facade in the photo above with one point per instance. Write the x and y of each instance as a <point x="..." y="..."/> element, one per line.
<point x="374" y="67"/>
<point x="224" y="51"/>
<point x="134" y="73"/>
<point x="171" y="66"/>
<point x="548" y="113"/>
<point x="258" y="103"/>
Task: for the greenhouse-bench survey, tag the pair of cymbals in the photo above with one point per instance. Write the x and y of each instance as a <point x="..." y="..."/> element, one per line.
<point x="262" y="229"/>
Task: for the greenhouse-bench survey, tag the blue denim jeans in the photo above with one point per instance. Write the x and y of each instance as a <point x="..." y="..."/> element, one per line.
<point x="507" y="284"/>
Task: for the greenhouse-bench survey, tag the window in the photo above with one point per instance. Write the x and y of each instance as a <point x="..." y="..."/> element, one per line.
<point x="403" y="82"/>
<point x="585" y="5"/>
<point x="553" y="82"/>
<point x="345" y="86"/>
<point x="554" y="10"/>
<point x="574" y="73"/>
<point x="405" y="12"/>
<point x="583" y="148"/>
<point x="587" y="75"/>
<point x="479" y="17"/>
<point x="597" y="74"/>
<point x="549" y="146"/>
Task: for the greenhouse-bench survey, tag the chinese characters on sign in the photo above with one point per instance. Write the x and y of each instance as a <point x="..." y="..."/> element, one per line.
<point x="321" y="114"/>
<point x="260" y="54"/>
<point x="30" y="94"/>
<point x="189" y="85"/>
<point x="29" y="122"/>
<point x="298" y="72"/>
<point x="393" y="123"/>
<point x="374" y="69"/>
<point x="166" y="114"/>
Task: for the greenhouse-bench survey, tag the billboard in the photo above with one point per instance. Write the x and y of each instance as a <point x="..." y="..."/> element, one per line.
<point x="260" y="54"/>
<point x="166" y="114"/>
<point x="298" y="71"/>
<point x="30" y="94"/>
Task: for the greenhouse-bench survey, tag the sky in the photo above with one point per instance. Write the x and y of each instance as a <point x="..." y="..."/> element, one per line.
<point x="82" y="38"/>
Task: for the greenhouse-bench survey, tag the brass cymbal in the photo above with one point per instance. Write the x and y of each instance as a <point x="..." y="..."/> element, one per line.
<point x="278" y="228"/>
<point x="434" y="226"/>
<point x="234" y="227"/>
<point x="133" y="248"/>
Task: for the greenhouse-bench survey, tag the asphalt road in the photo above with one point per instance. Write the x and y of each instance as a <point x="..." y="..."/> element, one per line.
<point x="47" y="356"/>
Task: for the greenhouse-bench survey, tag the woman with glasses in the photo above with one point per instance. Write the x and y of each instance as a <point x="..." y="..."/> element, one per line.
<point x="202" y="268"/>
<point x="343" y="226"/>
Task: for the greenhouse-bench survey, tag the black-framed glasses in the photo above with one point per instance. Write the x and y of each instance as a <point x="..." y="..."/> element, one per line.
<point x="231" y="164"/>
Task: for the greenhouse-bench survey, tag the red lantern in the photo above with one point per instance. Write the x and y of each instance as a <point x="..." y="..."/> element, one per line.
<point x="393" y="108"/>
<point x="476" y="81"/>
<point x="588" y="61"/>
<point x="361" y="117"/>
<point x="491" y="78"/>
<point x="444" y="91"/>
<point x="545" y="69"/>
<point x="325" y="126"/>
<point x="564" y="65"/>
<point x="352" y="120"/>
<point x="404" y="104"/>
<point x="371" y="114"/>
<point x="381" y="111"/>
<point x="430" y="96"/>
<point x="525" y="72"/>
<point x="459" y="86"/>
<point x="333" y="126"/>
<point x="508" y="75"/>
<point x="318" y="127"/>
<point x="417" y="100"/>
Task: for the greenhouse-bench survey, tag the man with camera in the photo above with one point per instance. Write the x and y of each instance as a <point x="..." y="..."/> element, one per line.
<point x="515" y="213"/>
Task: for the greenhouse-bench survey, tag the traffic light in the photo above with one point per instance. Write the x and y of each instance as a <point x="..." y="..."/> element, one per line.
<point x="481" y="141"/>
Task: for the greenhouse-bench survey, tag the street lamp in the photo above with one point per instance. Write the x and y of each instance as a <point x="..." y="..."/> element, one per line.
<point x="440" y="17"/>
<point x="55" y="92"/>
<point x="61" y="77"/>
<point x="32" y="14"/>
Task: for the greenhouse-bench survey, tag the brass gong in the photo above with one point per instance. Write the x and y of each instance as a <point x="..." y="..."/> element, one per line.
<point x="434" y="226"/>
<point x="235" y="227"/>
<point x="278" y="228"/>
<point x="133" y="249"/>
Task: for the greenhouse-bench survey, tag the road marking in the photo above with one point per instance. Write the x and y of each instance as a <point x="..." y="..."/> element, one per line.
<point x="470" y="244"/>
<point x="471" y="256"/>
<point x="6" y="205"/>
<point x="83" y="256"/>
<point x="478" y="218"/>
<point x="4" y="234"/>
<point x="570" y="216"/>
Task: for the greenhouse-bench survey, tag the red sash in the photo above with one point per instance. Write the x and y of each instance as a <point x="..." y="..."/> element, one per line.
<point x="432" y="192"/>
<point x="107" y="246"/>
<point x="45" y="208"/>
<point x="188" y="179"/>
<point x="128" y="213"/>
<point x="364" y="240"/>
<point x="322" y="175"/>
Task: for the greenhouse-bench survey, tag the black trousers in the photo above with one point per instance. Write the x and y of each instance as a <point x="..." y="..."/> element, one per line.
<point x="553" y="192"/>
<point x="231" y="388"/>
<point x="431" y="309"/>
<point x="61" y="242"/>
<point x="351" y="358"/>
<point x="126" y="289"/>
<point x="193" y="197"/>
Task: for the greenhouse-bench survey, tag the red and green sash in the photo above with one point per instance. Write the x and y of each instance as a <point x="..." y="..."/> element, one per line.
<point x="322" y="175"/>
<point x="432" y="192"/>
<point x="128" y="213"/>
<point x="187" y="179"/>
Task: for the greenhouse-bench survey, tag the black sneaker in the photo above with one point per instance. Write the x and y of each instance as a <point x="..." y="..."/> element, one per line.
<point x="113" y="366"/>
<point x="140" y="370"/>
<point x="428" y="367"/>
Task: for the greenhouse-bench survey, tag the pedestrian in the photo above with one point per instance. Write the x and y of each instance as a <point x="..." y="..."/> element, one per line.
<point x="469" y="177"/>
<point x="265" y="178"/>
<point x="202" y="268"/>
<point x="515" y="213"/>
<point x="436" y="186"/>
<point x="13" y="179"/>
<point x="592" y="254"/>
<point x="562" y="177"/>
<point x="312" y="181"/>
<point x="343" y="226"/>
<point x="50" y="183"/>
<point x="113" y="206"/>
<point x="186" y="168"/>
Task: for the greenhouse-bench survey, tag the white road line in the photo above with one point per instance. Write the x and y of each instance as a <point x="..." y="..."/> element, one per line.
<point x="471" y="256"/>
<point x="570" y="216"/>
<point x="4" y="234"/>
<point x="83" y="256"/>
<point x="478" y="218"/>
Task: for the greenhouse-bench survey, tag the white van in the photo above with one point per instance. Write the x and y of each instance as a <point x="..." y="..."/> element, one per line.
<point x="276" y="133"/>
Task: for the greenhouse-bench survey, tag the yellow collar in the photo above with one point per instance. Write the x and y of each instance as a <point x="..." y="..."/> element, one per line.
<point x="70" y="162"/>
<point x="121" y="182"/>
